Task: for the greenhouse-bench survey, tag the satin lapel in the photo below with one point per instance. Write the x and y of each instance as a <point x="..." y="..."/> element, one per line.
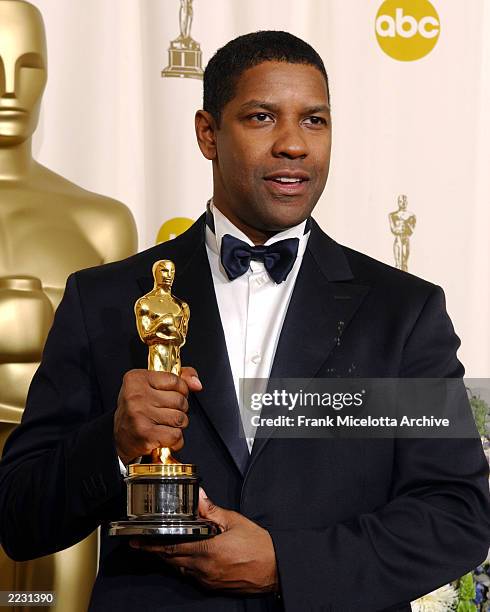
<point x="205" y="347"/>
<point x="323" y="302"/>
<point x="206" y="351"/>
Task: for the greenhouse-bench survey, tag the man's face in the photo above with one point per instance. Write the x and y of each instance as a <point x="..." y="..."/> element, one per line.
<point x="272" y="149"/>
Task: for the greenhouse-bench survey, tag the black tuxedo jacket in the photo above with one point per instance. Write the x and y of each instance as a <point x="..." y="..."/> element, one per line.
<point x="375" y="524"/>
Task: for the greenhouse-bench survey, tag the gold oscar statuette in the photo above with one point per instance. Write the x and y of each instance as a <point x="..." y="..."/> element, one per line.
<point x="402" y="225"/>
<point x="184" y="54"/>
<point x="163" y="495"/>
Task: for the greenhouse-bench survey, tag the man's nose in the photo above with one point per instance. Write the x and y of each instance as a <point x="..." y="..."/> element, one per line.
<point x="290" y="142"/>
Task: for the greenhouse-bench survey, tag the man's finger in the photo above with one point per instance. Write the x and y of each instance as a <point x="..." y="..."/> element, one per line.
<point x="208" y="510"/>
<point x="167" y="399"/>
<point x="196" y="549"/>
<point x="166" y="381"/>
<point x="169" y="417"/>
<point x="188" y="371"/>
<point x="191" y="377"/>
<point x="175" y="551"/>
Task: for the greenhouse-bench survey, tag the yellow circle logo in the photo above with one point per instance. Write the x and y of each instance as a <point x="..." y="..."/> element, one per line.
<point x="172" y="228"/>
<point x="407" y="30"/>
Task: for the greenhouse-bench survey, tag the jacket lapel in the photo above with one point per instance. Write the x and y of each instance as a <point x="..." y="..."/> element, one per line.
<point x="205" y="347"/>
<point x="323" y="302"/>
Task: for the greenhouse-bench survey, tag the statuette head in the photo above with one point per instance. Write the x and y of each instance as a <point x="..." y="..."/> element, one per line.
<point x="164" y="273"/>
<point x="402" y="202"/>
<point x="23" y="70"/>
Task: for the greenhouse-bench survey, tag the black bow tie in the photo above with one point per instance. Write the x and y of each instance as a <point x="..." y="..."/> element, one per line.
<point x="278" y="257"/>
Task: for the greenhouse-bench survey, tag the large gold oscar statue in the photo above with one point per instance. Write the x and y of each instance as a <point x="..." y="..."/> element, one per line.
<point x="49" y="227"/>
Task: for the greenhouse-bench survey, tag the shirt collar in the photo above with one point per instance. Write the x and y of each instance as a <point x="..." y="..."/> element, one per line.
<point x="222" y="226"/>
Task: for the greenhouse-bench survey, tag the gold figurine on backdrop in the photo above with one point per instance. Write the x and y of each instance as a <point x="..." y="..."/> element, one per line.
<point x="49" y="228"/>
<point x="184" y="53"/>
<point x="402" y="225"/>
<point x="162" y="321"/>
<point x="186" y="14"/>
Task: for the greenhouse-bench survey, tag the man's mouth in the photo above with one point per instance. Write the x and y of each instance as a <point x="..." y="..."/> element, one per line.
<point x="287" y="183"/>
<point x="285" y="179"/>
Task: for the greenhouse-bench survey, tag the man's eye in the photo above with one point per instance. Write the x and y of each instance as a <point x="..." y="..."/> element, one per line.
<point x="314" y="120"/>
<point x="261" y="117"/>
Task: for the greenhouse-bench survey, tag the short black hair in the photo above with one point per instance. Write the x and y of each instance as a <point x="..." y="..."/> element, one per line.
<point x="228" y="63"/>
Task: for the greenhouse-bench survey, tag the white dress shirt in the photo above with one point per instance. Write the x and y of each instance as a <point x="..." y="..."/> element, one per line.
<point x="252" y="307"/>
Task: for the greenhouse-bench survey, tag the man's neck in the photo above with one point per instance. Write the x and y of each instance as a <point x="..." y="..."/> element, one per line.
<point x="219" y="225"/>
<point x="253" y="234"/>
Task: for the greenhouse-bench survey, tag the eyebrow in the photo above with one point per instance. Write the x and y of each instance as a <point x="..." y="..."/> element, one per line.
<point x="269" y="106"/>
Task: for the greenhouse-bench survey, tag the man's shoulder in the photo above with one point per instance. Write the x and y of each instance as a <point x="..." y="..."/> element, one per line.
<point x="363" y="269"/>
<point x="367" y="270"/>
<point x="116" y="271"/>
<point x="394" y="294"/>
<point x="131" y="269"/>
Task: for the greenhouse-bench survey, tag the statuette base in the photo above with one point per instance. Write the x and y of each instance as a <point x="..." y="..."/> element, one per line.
<point x="169" y="530"/>
<point x="184" y="61"/>
<point x="162" y="502"/>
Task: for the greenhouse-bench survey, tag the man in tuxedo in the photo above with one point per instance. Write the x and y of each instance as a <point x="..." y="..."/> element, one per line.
<point x="315" y="524"/>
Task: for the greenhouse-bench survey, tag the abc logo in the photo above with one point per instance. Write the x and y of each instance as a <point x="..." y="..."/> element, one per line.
<point x="407" y="29"/>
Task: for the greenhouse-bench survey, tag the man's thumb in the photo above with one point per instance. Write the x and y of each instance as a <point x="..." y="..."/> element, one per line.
<point x="212" y="512"/>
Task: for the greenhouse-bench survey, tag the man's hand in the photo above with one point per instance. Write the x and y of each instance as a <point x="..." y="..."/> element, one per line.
<point x="151" y="411"/>
<point x="240" y="559"/>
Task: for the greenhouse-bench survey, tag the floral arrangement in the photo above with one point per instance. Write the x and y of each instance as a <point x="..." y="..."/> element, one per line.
<point x="481" y="577"/>
<point x="471" y="593"/>
<point x="441" y="600"/>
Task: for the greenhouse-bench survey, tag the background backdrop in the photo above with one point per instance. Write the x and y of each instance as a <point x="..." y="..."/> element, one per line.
<point x="419" y="127"/>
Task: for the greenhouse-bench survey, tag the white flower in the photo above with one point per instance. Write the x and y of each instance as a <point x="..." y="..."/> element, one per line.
<point x="441" y="600"/>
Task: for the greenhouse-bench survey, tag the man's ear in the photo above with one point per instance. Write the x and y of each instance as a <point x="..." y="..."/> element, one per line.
<point x="206" y="133"/>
